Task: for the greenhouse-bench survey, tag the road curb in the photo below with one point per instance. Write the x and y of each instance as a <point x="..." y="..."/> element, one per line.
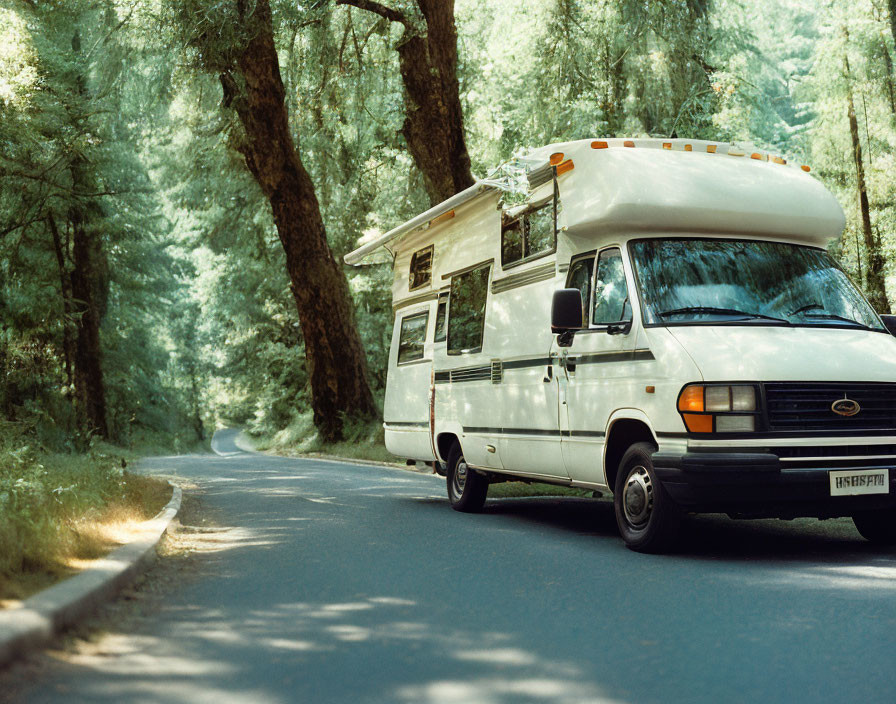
<point x="45" y="614"/>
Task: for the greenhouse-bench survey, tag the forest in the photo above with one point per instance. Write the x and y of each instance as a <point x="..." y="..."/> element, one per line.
<point x="180" y="179"/>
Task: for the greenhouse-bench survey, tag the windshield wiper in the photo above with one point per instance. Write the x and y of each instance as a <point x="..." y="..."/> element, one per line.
<point x="825" y="315"/>
<point x="839" y="318"/>
<point x="719" y="311"/>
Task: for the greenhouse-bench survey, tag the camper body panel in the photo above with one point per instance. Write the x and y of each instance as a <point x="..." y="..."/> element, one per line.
<point x="524" y="407"/>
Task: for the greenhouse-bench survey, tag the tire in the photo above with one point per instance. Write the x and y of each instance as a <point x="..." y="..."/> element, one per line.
<point x="648" y="520"/>
<point x="467" y="488"/>
<point x="877" y="526"/>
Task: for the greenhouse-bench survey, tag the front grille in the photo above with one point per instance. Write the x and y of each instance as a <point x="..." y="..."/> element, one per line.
<point x="802" y="452"/>
<point x="802" y="406"/>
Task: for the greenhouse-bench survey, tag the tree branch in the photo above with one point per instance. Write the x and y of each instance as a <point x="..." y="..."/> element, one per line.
<point x="377" y="8"/>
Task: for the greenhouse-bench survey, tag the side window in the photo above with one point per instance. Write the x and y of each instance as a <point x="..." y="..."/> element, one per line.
<point x="466" y="324"/>
<point x="412" y="337"/>
<point x="580" y="277"/>
<point x="528" y="236"/>
<point x="540" y="231"/>
<point x="421" y="268"/>
<point x="442" y="320"/>
<point x="611" y="304"/>
<point x="512" y="241"/>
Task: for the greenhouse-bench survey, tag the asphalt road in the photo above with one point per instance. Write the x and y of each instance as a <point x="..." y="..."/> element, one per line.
<point x="333" y="582"/>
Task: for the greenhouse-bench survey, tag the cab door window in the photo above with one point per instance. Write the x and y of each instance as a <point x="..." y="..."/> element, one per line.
<point x="579" y="277"/>
<point x="611" y="302"/>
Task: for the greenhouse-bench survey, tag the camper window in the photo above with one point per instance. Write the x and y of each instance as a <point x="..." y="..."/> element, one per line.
<point x="421" y="268"/>
<point x="466" y="323"/>
<point x="610" y="289"/>
<point x="529" y="236"/>
<point x="412" y="337"/>
<point x="580" y="277"/>
<point x="442" y="320"/>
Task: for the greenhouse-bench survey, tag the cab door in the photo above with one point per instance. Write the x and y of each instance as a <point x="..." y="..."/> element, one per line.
<point x="597" y="368"/>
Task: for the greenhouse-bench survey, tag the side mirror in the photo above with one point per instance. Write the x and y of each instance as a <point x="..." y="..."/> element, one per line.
<point x="890" y="322"/>
<point x="567" y="314"/>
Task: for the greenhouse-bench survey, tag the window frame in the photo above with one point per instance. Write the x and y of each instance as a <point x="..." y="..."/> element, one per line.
<point x="469" y="270"/>
<point x="628" y="291"/>
<point x="443" y="299"/>
<point x="405" y="318"/>
<point x="431" y="249"/>
<point x="592" y="255"/>
<point x="524" y="218"/>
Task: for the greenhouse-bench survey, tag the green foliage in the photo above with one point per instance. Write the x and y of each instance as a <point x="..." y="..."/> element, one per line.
<point x="43" y="495"/>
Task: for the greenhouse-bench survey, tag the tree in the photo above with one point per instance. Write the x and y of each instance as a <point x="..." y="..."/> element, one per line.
<point x="877" y="292"/>
<point x="249" y="71"/>
<point x="434" y="121"/>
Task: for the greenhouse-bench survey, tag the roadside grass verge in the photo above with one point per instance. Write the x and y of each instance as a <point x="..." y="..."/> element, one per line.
<point x="363" y="441"/>
<point x="513" y="490"/>
<point x="366" y="441"/>
<point x="59" y="511"/>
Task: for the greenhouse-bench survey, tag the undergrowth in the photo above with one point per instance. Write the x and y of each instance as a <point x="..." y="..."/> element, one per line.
<point x="363" y="440"/>
<point x="54" y="507"/>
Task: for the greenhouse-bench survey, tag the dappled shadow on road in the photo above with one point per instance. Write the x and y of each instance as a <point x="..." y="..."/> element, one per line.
<point x="307" y="649"/>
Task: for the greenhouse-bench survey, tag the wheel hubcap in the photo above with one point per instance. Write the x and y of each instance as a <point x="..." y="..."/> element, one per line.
<point x="460" y="478"/>
<point x="637" y="497"/>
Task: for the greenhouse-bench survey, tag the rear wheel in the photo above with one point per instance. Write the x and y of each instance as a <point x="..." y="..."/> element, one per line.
<point x="877" y="526"/>
<point x="648" y="520"/>
<point x="467" y="488"/>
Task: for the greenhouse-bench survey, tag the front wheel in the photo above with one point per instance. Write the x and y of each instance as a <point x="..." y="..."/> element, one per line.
<point x="648" y="520"/>
<point x="877" y="526"/>
<point x="467" y="488"/>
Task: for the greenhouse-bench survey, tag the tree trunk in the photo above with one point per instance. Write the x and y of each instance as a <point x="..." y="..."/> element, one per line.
<point x="65" y="291"/>
<point x="888" y="64"/>
<point x="434" y="121"/>
<point x="877" y="294"/>
<point x="90" y="391"/>
<point x="891" y="4"/>
<point x="88" y="288"/>
<point x="334" y="357"/>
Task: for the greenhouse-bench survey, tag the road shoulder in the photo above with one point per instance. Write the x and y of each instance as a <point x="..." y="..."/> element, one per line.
<point x="39" y="618"/>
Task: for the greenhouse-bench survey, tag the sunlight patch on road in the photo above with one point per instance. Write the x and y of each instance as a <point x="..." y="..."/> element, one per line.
<point x="503" y="691"/>
<point x="288" y="644"/>
<point x="349" y="633"/>
<point x="499" y="656"/>
<point x="351" y="606"/>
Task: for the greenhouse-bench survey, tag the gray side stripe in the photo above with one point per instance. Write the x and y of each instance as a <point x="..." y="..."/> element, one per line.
<point x="532" y="276"/>
<point x="534" y="431"/>
<point x="483" y="372"/>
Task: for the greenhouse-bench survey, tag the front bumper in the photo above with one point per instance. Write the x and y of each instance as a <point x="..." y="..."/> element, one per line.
<point x="756" y="485"/>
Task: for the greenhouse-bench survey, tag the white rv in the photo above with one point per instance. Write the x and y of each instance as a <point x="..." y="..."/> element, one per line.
<point x="657" y="319"/>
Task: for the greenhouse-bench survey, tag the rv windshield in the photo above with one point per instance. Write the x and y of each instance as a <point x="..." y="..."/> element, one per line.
<point x="706" y="281"/>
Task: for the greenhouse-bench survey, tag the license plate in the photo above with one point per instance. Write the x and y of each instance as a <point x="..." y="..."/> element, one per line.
<point x="853" y="482"/>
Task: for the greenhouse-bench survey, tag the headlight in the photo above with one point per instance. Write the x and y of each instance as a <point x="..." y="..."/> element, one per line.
<point x="718" y="408"/>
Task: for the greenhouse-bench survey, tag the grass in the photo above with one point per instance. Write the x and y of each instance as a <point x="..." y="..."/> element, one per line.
<point x="363" y="441"/>
<point x="58" y="511"/>
<point x="513" y="490"/>
<point x="366" y="441"/>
